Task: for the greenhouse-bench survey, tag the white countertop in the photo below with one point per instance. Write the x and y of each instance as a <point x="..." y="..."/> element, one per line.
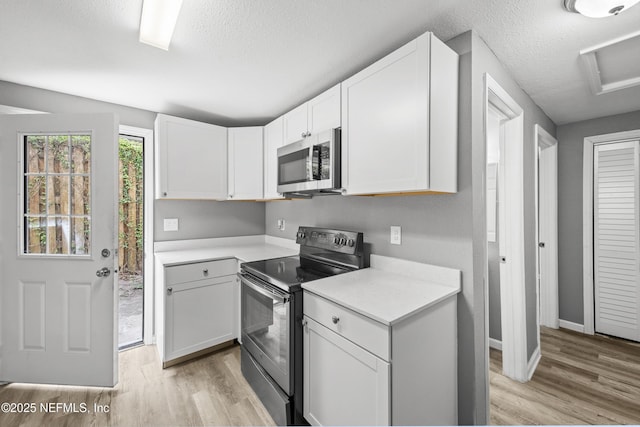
<point x="391" y="290"/>
<point x="245" y="249"/>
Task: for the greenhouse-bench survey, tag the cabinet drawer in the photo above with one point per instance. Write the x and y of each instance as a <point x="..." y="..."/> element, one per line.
<point x="200" y="270"/>
<point x="367" y="333"/>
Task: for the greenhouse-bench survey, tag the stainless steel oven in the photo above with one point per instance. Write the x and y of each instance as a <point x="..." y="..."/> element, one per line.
<point x="271" y="303"/>
<point x="266" y="323"/>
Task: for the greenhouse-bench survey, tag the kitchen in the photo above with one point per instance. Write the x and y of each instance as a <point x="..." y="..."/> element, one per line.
<point x="442" y="230"/>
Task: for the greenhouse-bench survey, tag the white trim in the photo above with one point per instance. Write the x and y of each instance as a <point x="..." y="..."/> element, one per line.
<point x="587" y="220"/>
<point x="512" y="289"/>
<point x="533" y="362"/>
<point x="494" y="343"/>
<point x="592" y="68"/>
<point x="565" y="324"/>
<point x="547" y="291"/>
<point x="147" y="134"/>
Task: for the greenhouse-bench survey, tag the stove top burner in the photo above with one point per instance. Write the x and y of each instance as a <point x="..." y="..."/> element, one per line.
<point x="323" y="253"/>
<point x="290" y="272"/>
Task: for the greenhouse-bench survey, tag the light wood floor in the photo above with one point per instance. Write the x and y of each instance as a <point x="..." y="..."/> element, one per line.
<point x="580" y="380"/>
<point x="207" y="391"/>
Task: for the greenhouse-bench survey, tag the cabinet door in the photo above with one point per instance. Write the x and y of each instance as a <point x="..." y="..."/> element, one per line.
<point x="273" y="139"/>
<point x="324" y="111"/>
<point x="245" y="163"/>
<point x="199" y="315"/>
<point x="295" y="124"/>
<point x="385" y="123"/>
<point x="191" y="159"/>
<point x="343" y="383"/>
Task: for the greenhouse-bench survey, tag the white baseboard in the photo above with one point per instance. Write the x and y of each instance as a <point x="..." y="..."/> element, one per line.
<point x="494" y="343"/>
<point x="571" y="326"/>
<point x="533" y="363"/>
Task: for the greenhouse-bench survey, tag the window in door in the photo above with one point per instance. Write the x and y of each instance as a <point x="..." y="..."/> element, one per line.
<point x="56" y="207"/>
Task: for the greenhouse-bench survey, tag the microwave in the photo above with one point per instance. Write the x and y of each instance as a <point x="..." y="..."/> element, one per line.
<point x="310" y="166"/>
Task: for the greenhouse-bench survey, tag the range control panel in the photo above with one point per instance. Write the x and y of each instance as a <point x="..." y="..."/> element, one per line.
<point x="348" y="242"/>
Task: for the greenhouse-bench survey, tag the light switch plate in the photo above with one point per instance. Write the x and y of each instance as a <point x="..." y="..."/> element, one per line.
<point x="396" y="235"/>
<point x="171" y="224"/>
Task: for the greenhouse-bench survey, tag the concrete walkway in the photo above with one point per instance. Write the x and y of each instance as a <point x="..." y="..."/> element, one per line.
<point x="130" y="310"/>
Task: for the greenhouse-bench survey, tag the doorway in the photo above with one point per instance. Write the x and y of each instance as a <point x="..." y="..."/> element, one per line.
<point x="546" y="168"/>
<point x="130" y="240"/>
<point x="135" y="235"/>
<point x="610" y="232"/>
<point x="510" y="235"/>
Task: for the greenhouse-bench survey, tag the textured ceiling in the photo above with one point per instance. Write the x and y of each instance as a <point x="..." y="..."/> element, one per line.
<point x="237" y="62"/>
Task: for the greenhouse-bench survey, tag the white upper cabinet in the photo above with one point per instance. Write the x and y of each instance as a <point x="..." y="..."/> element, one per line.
<point x="273" y="139"/>
<point x="400" y="122"/>
<point x="319" y="114"/>
<point x="191" y="159"/>
<point x="245" y="163"/>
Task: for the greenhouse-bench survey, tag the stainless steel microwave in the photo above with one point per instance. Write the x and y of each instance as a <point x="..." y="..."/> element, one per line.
<point x="310" y="166"/>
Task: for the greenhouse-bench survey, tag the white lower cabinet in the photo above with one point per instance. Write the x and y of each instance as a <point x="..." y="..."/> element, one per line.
<point x="196" y="306"/>
<point x="358" y="371"/>
<point x="343" y="383"/>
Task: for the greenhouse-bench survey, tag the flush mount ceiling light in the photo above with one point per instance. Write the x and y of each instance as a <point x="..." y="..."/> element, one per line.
<point x="158" y="22"/>
<point x="598" y="8"/>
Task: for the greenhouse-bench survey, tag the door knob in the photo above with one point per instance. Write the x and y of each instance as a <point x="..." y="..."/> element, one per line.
<point x="335" y="319"/>
<point x="541" y="245"/>
<point x="103" y="272"/>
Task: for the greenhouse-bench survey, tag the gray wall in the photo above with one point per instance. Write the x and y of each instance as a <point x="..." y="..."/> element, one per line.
<point x="200" y="219"/>
<point x="570" y="147"/>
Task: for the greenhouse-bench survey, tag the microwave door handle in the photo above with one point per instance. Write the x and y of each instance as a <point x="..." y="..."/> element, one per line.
<point x="310" y="164"/>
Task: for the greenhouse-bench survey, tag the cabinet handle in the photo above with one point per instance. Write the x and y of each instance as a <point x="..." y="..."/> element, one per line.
<point x="303" y="134"/>
<point x="205" y="271"/>
<point x="308" y="134"/>
<point x="335" y="320"/>
<point x="164" y="194"/>
<point x="169" y="291"/>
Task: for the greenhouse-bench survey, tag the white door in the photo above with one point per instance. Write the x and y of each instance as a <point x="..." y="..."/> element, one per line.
<point x="57" y="223"/>
<point x="616" y="242"/>
<point x="548" y="231"/>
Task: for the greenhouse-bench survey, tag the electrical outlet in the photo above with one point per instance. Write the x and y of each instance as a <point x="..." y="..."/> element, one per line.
<point x="396" y="235"/>
<point x="281" y="224"/>
<point x="171" y="224"/>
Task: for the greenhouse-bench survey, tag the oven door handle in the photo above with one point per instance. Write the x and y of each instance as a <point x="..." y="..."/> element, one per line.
<point x="264" y="291"/>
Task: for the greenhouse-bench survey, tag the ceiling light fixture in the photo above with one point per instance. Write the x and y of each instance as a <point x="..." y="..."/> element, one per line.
<point x="158" y="22"/>
<point x="598" y="8"/>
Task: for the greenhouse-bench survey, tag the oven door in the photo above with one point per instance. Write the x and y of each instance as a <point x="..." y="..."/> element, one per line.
<point x="266" y="320"/>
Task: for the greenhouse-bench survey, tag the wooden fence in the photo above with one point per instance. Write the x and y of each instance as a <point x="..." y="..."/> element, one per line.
<point x="131" y="208"/>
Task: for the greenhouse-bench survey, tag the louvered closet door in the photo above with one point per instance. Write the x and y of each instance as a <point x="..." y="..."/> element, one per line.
<point x="616" y="239"/>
